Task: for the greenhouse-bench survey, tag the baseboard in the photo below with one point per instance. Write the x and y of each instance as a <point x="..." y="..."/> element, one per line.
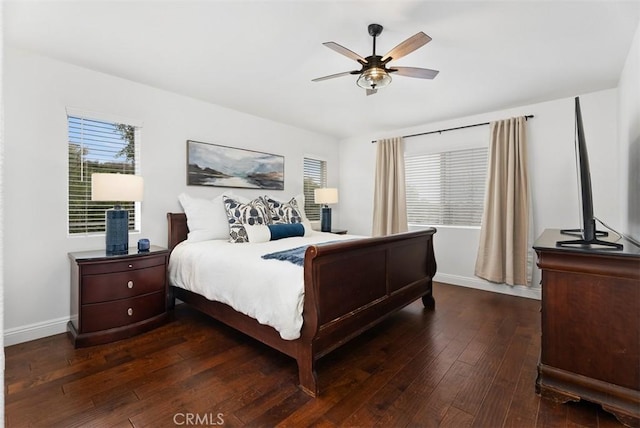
<point x="39" y="330"/>
<point x="516" y="290"/>
<point x="13" y="336"/>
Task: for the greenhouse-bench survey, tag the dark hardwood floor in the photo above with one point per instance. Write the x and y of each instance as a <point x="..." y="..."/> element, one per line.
<point x="471" y="362"/>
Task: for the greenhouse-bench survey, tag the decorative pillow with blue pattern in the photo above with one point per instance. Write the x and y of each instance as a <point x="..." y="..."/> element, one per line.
<point x="253" y="213"/>
<point x="284" y="212"/>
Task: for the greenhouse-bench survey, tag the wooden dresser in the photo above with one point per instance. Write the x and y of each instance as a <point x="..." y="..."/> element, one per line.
<point x="590" y="326"/>
<point x="115" y="297"/>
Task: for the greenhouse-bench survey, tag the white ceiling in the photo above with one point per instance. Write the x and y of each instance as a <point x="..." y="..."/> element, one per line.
<point x="259" y="57"/>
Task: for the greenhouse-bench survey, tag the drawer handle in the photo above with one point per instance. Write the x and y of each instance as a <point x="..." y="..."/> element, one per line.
<point x="130" y="284"/>
<point x="130" y="311"/>
<point x="130" y="266"/>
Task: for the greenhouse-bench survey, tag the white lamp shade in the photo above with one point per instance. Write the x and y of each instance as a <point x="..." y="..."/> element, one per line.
<point x="116" y="187"/>
<point x="325" y="196"/>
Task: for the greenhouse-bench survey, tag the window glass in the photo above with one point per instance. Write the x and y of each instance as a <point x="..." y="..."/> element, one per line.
<point x="98" y="146"/>
<point x="446" y="188"/>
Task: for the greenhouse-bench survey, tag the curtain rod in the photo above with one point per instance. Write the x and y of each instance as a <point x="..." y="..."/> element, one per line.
<point x="440" y="131"/>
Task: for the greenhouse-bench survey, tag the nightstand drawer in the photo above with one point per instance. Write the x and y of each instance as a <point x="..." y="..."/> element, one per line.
<point x="120" y="285"/>
<point x="139" y="262"/>
<point x="102" y="316"/>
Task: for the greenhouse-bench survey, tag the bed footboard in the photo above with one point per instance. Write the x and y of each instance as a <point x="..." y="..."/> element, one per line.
<point x="352" y="285"/>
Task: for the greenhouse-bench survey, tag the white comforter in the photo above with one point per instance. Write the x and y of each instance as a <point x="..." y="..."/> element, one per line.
<point x="270" y="291"/>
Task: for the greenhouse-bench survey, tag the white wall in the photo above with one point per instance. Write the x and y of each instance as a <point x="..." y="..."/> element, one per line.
<point x="629" y="136"/>
<point x="36" y="92"/>
<point x="552" y="171"/>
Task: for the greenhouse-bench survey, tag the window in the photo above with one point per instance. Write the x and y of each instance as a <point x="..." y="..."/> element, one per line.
<point x="315" y="176"/>
<point x="98" y="146"/>
<point x="446" y="188"/>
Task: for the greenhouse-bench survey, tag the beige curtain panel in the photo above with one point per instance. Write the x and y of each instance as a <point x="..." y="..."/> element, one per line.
<point x="389" y="201"/>
<point x="504" y="247"/>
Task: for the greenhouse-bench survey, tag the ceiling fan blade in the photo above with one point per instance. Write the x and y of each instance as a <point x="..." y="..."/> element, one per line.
<point x="420" y="73"/>
<point x="411" y="44"/>
<point x="344" y="51"/>
<point x="371" y="91"/>
<point x="331" y="76"/>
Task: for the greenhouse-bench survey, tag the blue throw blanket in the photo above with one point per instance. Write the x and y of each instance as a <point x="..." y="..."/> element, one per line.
<point x="293" y="255"/>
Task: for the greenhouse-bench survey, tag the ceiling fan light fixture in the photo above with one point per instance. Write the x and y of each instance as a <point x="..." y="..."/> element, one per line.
<point x="374" y="78"/>
<point x="374" y="73"/>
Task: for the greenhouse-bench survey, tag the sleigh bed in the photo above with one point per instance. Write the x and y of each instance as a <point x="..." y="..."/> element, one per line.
<point x="349" y="286"/>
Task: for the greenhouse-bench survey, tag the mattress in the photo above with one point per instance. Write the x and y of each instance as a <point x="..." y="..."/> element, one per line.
<point x="268" y="290"/>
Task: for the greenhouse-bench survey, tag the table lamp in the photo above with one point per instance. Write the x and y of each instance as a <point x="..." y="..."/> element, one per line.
<point x="116" y="188"/>
<point x="325" y="196"/>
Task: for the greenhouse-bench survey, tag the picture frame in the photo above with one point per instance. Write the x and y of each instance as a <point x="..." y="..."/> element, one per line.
<point x="223" y="166"/>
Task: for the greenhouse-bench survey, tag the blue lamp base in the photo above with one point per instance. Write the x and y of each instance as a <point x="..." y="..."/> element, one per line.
<point x="117" y="231"/>
<point x="325" y="221"/>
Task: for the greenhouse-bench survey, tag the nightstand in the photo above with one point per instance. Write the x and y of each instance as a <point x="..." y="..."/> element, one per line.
<point x="115" y="297"/>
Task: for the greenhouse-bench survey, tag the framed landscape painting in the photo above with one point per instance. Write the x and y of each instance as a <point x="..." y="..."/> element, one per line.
<point x="222" y="166"/>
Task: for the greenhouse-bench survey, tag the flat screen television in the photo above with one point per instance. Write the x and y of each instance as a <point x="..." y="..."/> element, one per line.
<point x="588" y="234"/>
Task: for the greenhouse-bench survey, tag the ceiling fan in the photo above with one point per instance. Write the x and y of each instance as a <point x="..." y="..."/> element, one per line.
<point x="374" y="73"/>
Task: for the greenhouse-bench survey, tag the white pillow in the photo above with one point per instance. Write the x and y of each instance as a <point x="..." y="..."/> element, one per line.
<point x="207" y="219"/>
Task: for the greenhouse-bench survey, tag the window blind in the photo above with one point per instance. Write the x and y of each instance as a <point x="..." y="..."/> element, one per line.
<point x="446" y="188"/>
<point x="315" y="176"/>
<point x="97" y="146"/>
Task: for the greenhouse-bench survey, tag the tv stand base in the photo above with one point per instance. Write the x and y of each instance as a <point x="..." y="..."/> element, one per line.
<point x="582" y="243"/>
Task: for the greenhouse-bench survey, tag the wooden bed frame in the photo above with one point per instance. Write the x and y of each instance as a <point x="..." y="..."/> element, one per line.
<point x="349" y="287"/>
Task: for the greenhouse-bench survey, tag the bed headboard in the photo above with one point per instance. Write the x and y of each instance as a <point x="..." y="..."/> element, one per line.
<point x="177" y="229"/>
